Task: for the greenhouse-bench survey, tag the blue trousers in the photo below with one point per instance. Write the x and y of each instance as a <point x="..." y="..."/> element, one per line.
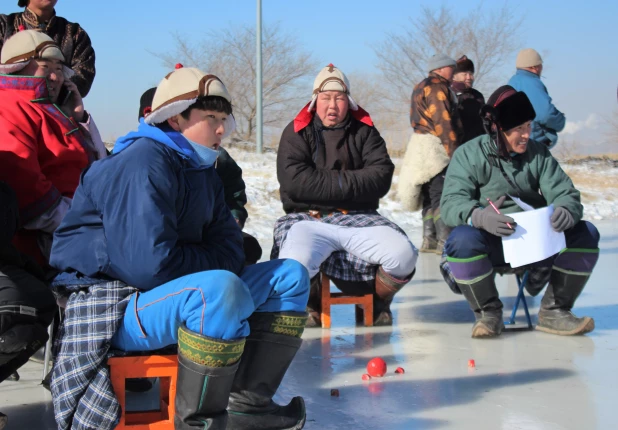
<point x="466" y="242"/>
<point x="214" y="303"/>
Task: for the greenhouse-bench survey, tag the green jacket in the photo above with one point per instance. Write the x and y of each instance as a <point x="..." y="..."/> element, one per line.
<point x="473" y="176"/>
<point x="233" y="185"/>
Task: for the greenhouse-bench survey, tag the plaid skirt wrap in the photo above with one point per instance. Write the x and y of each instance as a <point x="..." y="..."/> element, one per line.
<point x="340" y="264"/>
<point x="537" y="279"/>
<point x="81" y="388"/>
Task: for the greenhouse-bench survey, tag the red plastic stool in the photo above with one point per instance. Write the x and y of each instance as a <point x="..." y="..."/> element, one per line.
<point x="164" y="367"/>
<point x="329" y="299"/>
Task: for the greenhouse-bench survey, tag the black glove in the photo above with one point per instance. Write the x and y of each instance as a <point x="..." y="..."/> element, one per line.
<point x="491" y="221"/>
<point x="562" y="219"/>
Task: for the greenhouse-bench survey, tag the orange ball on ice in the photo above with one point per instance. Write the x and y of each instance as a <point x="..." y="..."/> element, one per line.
<point x="376" y="367"/>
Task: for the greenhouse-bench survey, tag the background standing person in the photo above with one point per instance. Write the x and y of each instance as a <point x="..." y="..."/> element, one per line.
<point x="469" y="100"/>
<point x="72" y="39"/>
<point x="437" y="133"/>
<point x="549" y="121"/>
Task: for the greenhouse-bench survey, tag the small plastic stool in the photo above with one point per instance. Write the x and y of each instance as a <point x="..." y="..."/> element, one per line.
<point x="164" y="367"/>
<point x="522" y="279"/>
<point x="329" y="299"/>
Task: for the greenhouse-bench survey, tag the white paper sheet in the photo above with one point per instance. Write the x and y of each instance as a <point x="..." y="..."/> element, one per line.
<point x="525" y="206"/>
<point x="534" y="238"/>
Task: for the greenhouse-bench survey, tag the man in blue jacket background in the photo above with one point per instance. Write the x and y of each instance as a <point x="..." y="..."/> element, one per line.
<point x="156" y="254"/>
<point x="549" y="121"/>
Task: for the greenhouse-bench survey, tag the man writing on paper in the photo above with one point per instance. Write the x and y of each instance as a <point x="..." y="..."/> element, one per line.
<point x="490" y="167"/>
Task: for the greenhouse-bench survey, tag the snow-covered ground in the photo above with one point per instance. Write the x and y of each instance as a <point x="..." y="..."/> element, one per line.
<point x="598" y="182"/>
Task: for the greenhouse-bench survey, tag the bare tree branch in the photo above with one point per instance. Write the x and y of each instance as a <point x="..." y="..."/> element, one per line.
<point x="487" y="37"/>
<point x="230" y="54"/>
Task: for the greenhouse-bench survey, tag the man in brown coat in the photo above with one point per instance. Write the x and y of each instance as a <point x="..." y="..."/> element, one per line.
<point x="73" y="40"/>
<point x="437" y="133"/>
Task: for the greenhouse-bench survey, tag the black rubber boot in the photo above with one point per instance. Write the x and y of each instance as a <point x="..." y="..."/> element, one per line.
<point x="442" y="232"/>
<point x="314" y="305"/>
<point x="206" y="370"/>
<point x="555" y="315"/>
<point x="270" y="348"/>
<point x="429" y="232"/>
<point x="482" y="296"/>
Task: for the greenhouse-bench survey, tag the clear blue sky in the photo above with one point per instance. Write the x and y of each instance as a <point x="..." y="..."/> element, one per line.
<point x="579" y="37"/>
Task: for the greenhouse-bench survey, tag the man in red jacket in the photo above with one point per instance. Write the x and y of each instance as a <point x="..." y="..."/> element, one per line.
<point x="46" y="136"/>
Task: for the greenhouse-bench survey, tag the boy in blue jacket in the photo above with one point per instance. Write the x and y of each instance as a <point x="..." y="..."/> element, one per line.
<point x="153" y="218"/>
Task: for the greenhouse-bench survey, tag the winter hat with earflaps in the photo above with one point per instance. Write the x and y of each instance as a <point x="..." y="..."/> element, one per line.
<point x="330" y="78"/>
<point x="27" y="45"/>
<point x="180" y="89"/>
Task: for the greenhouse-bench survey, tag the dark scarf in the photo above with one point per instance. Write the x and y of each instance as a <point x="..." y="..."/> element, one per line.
<point x="333" y="139"/>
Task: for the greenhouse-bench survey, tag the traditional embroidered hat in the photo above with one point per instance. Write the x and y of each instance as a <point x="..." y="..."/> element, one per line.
<point x="180" y="89"/>
<point x="331" y="78"/>
<point x="28" y="45"/>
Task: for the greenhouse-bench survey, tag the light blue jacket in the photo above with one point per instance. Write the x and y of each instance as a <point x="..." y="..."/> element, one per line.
<point x="549" y="120"/>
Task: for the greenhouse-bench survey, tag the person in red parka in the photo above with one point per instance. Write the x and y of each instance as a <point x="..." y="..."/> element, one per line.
<point x="46" y="137"/>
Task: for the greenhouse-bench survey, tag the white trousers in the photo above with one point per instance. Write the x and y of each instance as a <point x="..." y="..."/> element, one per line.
<point x="311" y="243"/>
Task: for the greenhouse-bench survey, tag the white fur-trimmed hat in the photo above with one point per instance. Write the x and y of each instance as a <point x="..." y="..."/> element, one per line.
<point x="180" y="89"/>
<point x="331" y="78"/>
<point x="27" y="45"/>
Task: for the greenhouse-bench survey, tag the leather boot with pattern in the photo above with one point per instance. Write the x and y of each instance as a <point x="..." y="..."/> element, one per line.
<point x="270" y="349"/>
<point x="555" y="314"/>
<point x="206" y="370"/>
<point x="482" y="296"/>
<point x="386" y="288"/>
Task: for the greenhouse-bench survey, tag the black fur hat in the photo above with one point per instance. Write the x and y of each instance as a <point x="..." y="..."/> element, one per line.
<point x="464" y="64"/>
<point x="508" y="108"/>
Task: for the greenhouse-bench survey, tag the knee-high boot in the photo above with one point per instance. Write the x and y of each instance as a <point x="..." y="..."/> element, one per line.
<point x="482" y="296"/>
<point x="555" y="315"/>
<point x="206" y="370"/>
<point x="270" y="349"/>
<point x="429" y="231"/>
<point x="314" y="305"/>
<point x="386" y="288"/>
<point x="442" y="231"/>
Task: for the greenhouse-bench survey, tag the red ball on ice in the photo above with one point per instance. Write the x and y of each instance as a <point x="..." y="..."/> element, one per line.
<point x="471" y="364"/>
<point x="400" y="370"/>
<point x="376" y="367"/>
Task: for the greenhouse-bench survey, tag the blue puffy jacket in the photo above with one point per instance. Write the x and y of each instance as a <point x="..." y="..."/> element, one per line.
<point x="549" y="120"/>
<point x="147" y="215"/>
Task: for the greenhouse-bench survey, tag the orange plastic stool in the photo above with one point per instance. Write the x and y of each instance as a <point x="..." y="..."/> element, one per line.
<point x="164" y="367"/>
<point x="329" y="299"/>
